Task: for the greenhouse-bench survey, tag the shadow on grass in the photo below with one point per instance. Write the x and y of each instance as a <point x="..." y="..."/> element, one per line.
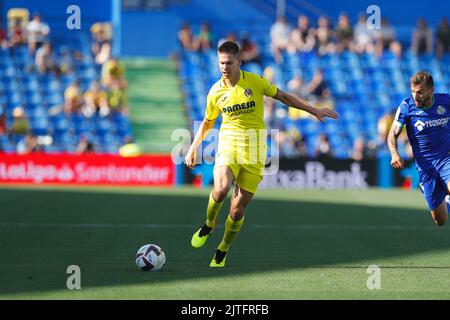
<point x="42" y="233"/>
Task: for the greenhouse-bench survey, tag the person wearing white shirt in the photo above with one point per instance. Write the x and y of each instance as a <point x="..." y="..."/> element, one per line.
<point x="37" y="33"/>
<point x="280" y="34"/>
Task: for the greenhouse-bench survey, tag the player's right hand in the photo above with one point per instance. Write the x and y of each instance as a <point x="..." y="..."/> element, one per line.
<point x="190" y="158"/>
<point x="397" y="162"/>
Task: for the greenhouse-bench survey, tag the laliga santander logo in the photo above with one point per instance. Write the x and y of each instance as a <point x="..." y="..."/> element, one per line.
<point x="35" y="172"/>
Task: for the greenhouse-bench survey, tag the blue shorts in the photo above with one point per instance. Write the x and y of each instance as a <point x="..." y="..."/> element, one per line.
<point x="434" y="182"/>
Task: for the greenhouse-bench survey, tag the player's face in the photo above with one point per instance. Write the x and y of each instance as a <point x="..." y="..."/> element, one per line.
<point x="229" y="65"/>
<point x="423" y="95"/>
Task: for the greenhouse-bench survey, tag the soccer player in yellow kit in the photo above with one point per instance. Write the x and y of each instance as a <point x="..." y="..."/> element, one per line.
<point x="242" y="149"/>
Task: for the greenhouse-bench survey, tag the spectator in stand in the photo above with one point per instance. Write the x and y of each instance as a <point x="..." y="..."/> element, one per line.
<point x="205" y="39"/>
<point x="318" y="87"/>
<point x="320" y="91"/>
<point x="113" y="74"/>
<point x="249" y="50"/>
<point x="371" y="149"/>
<point x="279" y="34"/>
<point x="186" y="38"/>
<point x="293" y="144"/>
<point x="269" y="103"/>
<point x="323" y="147"/>
<point x="45" y="61"/>
<point x="443" y="38"/>
<point x="363" y="38"/>
<point x="95" y="100"/>
<point x="302" y="38"/>
<point x="28" y="144"/>
<point x="73" y="98"/>
<point x="20" y="124"/>
<point x="3" y="36"/>
<point x="344" y="34"/>
<point x="359" y="151"/>
<point x="297" y="86"/>
<point x="383" y="126"/>
<point x="37" y="33"/>
<point x="117" y="100"/>
<point x="101" y="46"/>
<point x="286" y="145"/>
<point x="316" y="91"/>
<point x="17" y="37"/>
<point x="386" y="39"/>
<point x="3" y="128"/>
<point x="301" y="146"/>
<point x="66" y="62"/>
<point x="422" y="38"/>
<point x="324" y="37"/>
<point x="231" y="36"/>
<point x="113" y="78"/>
<point x="404" y="146"/>
<point x="85" y="146"/>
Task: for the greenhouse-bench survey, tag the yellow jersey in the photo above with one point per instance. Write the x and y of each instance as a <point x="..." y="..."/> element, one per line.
<point x="242" y="135"/>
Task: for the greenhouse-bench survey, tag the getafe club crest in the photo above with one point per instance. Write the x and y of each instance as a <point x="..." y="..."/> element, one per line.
<point x="441" y="110"/>
<point x="248" y="92"/>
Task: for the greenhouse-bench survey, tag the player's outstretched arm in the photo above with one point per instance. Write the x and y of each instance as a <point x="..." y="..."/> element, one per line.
<point x="202" y="132"/>
<point x="297" y="103"/>
<point x="396" y="161"/>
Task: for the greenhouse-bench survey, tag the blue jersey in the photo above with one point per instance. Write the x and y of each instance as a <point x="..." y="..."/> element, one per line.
<point x="428" y="129"/>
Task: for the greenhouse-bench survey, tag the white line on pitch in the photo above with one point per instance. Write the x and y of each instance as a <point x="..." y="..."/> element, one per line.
<point x="190" y="226"/>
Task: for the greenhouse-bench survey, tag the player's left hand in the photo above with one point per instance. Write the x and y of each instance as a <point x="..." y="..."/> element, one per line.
<point x="321" y="114"/>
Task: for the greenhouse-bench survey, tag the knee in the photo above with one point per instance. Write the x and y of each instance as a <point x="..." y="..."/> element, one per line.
<point x="236" y="214"/>
<point x="220" y="193"/>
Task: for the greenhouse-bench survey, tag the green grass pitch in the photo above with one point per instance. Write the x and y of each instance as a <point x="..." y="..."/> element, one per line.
<point x="302" y="244"/>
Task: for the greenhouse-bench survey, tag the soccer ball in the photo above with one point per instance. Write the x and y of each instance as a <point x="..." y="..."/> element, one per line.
<point x="150" y="257"/>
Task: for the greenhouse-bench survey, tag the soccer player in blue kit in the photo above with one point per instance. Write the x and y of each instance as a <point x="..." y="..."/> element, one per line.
<point x="426" y="116"/>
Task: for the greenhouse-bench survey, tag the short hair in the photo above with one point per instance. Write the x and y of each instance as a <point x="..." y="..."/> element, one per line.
<point x="423" y="77"/>
<point x="229" y="47"/>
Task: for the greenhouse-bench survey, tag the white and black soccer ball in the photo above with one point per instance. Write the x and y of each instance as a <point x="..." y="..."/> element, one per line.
<point x="150" y="257"/>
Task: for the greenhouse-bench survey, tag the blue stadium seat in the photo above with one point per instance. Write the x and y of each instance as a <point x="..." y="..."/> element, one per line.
<point x="22" y="85"/>
<point x="6" y="145"/>
<point x="39" y="126"/>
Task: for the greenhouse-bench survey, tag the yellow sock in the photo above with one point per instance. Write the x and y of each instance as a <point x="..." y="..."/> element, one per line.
<point x="212" y="211"/>
<point x="231" y="230"/>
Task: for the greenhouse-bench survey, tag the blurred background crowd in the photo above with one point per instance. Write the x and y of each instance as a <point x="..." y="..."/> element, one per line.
<point x="361" y="72"/>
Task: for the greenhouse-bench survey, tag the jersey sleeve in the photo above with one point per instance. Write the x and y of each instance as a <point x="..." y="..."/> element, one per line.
<point x="267" y="88"/>
<point x="401" y="114"/>
<point x="211" y="112"/>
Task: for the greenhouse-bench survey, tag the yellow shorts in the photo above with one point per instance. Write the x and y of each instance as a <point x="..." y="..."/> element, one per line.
<point x="244" y="178"/>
